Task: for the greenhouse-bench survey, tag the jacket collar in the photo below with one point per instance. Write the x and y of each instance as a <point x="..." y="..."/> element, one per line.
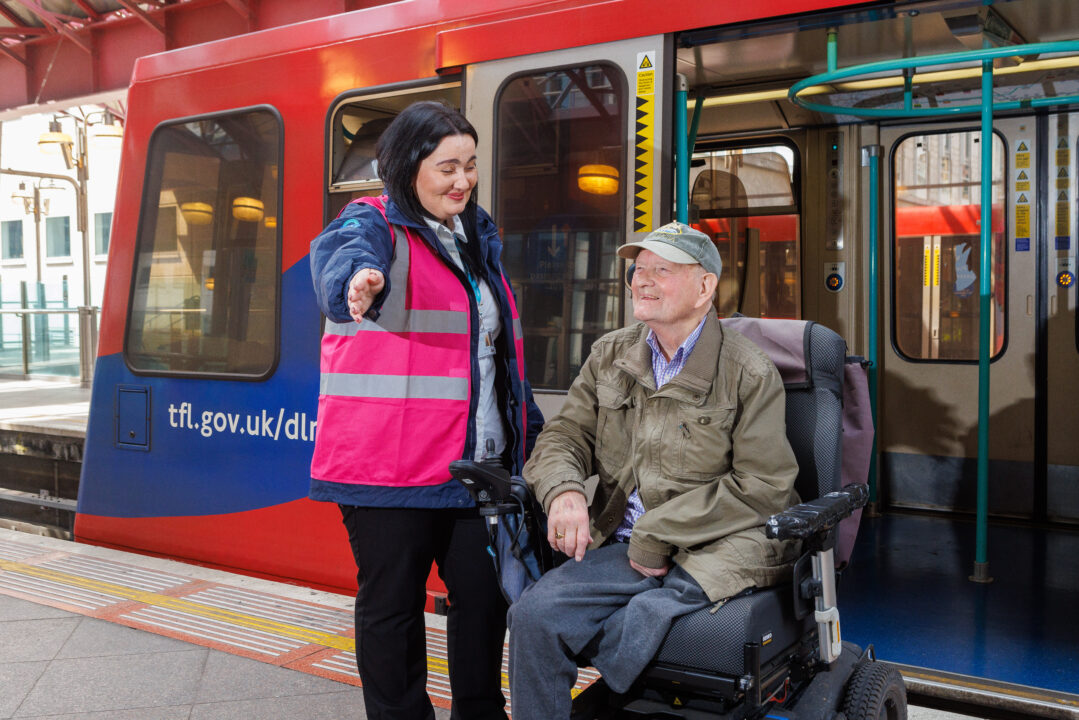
<point x="477" y="224"/>
<point x="700" y="369"/>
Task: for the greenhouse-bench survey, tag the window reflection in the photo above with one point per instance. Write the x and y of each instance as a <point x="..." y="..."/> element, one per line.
<point x="559" y="187"/>
<point x="744" y="199"/>
<point x="207" y="268"/>
<point x="938" y="246"/>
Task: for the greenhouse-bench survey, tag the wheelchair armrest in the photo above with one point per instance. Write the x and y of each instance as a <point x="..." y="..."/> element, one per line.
<point x="816" y="516"/>
<point x="487" y="484"/>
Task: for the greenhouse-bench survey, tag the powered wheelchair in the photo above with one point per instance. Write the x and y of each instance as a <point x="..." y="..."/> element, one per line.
<point x="768" y="652"/>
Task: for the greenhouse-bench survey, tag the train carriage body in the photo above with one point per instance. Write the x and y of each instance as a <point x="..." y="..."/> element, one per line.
<point x="237" y="152"/>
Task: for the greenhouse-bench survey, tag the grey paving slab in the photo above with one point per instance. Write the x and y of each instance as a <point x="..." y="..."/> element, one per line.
<point x="176" y="712"/>
<point x="17" y="679"/>
<point x="347" y="705"/>
<point x="120" y="682"/>
<point x="230" y="677"/>
<point x="95" y="638"/>
<point x="16" y="609"/>
<point x="24" y="640"/>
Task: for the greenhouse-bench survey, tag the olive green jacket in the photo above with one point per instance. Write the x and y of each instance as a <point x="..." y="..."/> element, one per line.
<point x="708" y="453"/>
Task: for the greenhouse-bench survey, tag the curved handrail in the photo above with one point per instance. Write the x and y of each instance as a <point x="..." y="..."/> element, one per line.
<point x="862" y="72"/>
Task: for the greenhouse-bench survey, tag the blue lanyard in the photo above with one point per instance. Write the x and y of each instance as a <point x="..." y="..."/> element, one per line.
<point x="468" y="272"/>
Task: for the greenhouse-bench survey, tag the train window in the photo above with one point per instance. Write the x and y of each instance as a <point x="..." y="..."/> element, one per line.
<point x="207" y="269"/>
<point x="357" y="121"/>
<point x="937" y="217"/>
<point x="559" y="185"/>
<point x="744" y="198"/>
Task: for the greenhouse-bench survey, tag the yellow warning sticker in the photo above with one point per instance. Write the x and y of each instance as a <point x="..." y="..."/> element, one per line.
<point x="936" y="266"/>
<point x="1022" y="154"/>
<point x="1022" y="181"/>
<point x="646" y="73"/>
<point x="926" y="268"/>
<point x="1022" y="221"/>
<point x="644" y="141"/>
<point x="1022" y="198"/>
<point x="1063" y="225"/>
<point x="1064" y="156"/>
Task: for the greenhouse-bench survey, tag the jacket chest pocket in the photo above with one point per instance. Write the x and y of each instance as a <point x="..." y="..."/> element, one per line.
<point x="697" y="442"/>
<point x="613" y="422"/>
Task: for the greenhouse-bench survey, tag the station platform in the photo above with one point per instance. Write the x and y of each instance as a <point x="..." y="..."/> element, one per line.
<point x="90" y="633"/>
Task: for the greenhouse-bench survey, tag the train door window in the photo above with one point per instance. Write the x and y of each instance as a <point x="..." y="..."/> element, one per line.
<point x="208" y="267"/>
<point x="559" y="189"/>
<point x="937" y="215"/>
<point x="356" y="122"/>
<point x="745" y="199"/>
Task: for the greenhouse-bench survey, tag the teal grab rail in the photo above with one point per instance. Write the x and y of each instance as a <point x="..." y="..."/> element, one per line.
<point x="985" y="307"/>
<point x="969" y="56"/>
<point x="984" y="58"/>
<point x="681" y="140"/>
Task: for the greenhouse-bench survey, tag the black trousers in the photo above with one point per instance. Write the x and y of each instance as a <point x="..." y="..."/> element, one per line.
<point x="394" y="549"/>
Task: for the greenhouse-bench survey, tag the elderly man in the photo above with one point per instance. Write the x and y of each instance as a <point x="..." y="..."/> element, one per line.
<point x="683" y="422"/>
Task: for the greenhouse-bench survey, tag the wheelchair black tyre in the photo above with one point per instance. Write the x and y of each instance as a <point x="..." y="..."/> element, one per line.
<point x="875" y="691"/>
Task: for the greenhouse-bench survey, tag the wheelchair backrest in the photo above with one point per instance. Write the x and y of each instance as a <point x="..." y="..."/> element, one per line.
<point x="810" y="359"/>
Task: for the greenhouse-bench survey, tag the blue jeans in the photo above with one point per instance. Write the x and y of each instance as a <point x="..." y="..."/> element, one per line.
<point x="600" y="609"/>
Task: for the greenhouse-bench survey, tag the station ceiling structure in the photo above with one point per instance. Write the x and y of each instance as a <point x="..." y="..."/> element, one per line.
<point x="66" y="51"/>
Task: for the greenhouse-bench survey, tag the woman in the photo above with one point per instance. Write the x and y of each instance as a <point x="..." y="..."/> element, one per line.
<point x="421" y="365"/>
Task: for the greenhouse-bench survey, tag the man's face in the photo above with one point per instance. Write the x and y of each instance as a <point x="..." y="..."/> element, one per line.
<point x="668" y="293"/>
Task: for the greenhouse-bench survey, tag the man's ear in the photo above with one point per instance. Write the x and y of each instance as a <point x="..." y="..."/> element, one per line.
<point x="709" y="282"/>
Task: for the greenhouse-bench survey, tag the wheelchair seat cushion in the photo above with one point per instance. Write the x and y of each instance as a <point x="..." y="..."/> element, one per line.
<point x="713" y="641"/>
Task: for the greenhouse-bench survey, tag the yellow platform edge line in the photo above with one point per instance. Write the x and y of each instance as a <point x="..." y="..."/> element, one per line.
<point x="191" y="607"/>
<point x="435" y="664"/>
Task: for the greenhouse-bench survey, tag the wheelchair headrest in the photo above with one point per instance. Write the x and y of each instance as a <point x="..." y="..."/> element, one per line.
<point x="806" y="354"/>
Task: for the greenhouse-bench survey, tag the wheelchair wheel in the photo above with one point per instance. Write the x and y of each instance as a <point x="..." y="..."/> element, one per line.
<point x="875" y="691"/>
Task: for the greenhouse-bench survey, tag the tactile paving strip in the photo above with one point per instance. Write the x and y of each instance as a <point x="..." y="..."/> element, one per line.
<point x="295" y="634"/>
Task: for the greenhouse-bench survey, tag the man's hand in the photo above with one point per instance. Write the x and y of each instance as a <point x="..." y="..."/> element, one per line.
<point x="567" y="524"/>
<point x="650" y="572"/>
<point x="362" y="289"/>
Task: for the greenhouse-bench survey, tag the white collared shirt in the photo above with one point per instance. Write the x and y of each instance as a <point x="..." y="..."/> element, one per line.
<point x="488" y="419"/>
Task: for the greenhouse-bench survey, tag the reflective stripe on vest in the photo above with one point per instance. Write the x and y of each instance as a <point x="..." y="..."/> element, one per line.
<point x="394" y="386"/>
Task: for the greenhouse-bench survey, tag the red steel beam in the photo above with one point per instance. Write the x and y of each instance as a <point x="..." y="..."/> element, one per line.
<point x="12" y="17"/>
<point x="11" y="54"/>
<point x="57" y="22"/>
<point x="142" y="15"/>
<point x="23" y="31"/>
<point x="87" y="8"/>
<point x="241" y="7"/>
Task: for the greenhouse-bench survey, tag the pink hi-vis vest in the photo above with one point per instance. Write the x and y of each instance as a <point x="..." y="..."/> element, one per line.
<point x="394" y="393"/>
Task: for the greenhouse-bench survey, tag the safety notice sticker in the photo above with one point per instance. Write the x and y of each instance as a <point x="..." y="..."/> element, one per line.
<point x="644" y="141"/>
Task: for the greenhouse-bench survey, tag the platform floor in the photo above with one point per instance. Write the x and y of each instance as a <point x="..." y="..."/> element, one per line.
<point x="907" y="591"/>
<point x="56" y="407"/>
<point x="89" y="633"/>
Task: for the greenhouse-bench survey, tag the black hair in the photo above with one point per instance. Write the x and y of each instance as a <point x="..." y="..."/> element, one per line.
<point x="413" y="135"/>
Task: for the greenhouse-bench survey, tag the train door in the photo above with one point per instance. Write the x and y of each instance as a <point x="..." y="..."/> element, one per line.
<point x="930" y="311"/>
<point x="1059" y="163"/>
<point x="571" y="167"/>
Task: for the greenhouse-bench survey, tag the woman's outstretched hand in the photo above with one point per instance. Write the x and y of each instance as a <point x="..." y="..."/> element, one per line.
<point x="362" y="290"/>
